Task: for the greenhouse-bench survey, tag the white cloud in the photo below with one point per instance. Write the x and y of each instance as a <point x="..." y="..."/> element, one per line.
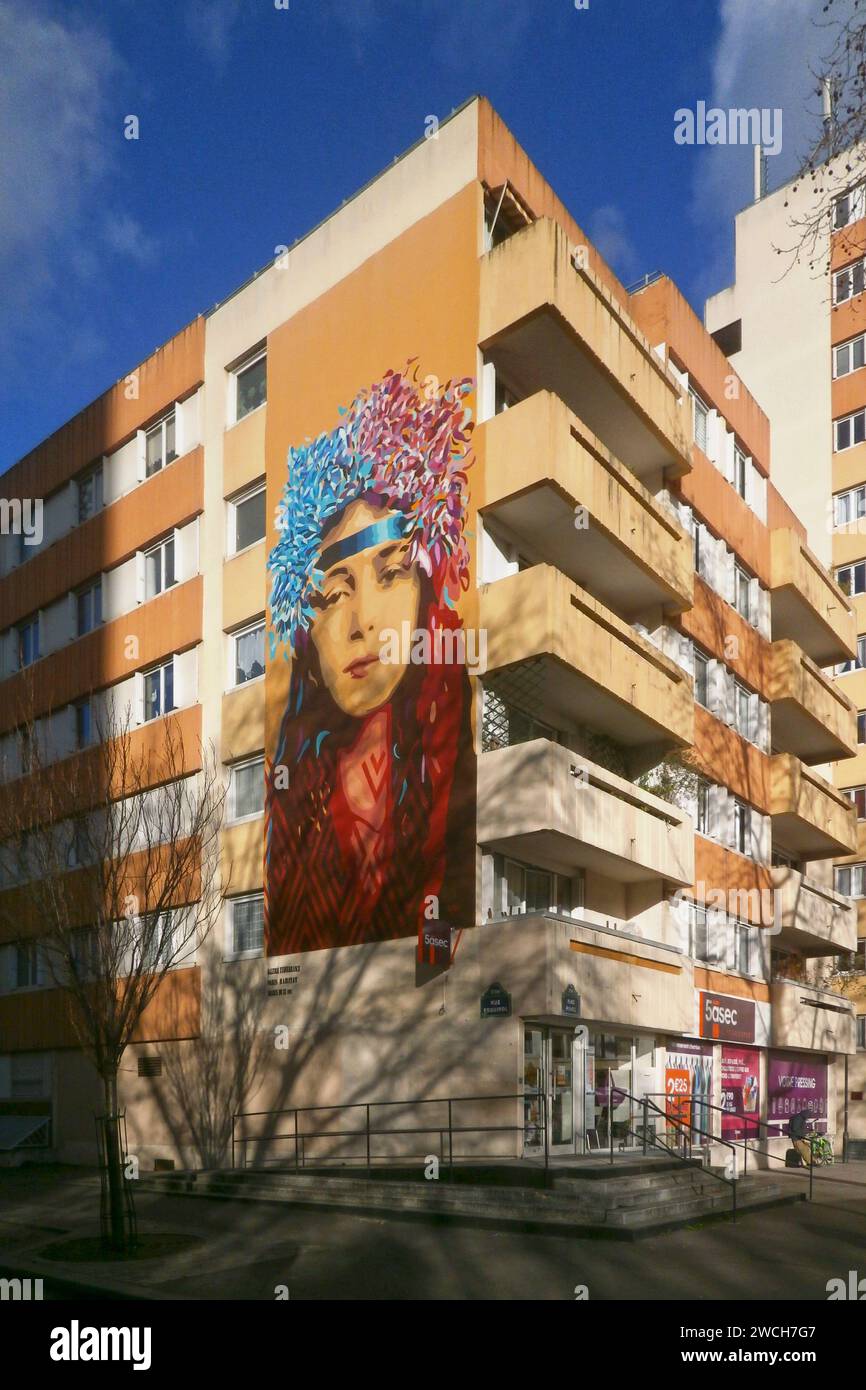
<point x="126" y="236"/>
<point x="210" y="24"/>
<point x="52" y="111"/>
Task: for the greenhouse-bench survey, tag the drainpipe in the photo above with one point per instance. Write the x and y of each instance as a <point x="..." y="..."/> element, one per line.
<point x="845" y="1128"/>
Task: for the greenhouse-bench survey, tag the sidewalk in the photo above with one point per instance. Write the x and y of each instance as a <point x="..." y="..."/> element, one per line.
<point x="248" y="1251"/>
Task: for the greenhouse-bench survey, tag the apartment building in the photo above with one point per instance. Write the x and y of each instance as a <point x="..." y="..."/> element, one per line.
<point x="469" y="564"/>
<point x="797" y="339"/>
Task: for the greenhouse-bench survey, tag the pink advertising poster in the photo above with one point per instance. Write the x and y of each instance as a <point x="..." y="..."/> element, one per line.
<point x="741" y="1095"/>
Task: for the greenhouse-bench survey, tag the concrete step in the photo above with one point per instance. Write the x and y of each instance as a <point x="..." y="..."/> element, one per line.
<point x="643" y="1211"/>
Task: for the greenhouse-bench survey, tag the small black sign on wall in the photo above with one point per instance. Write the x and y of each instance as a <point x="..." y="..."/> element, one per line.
<point x="495" y="1002"/>
<point x="571" y="1002"/>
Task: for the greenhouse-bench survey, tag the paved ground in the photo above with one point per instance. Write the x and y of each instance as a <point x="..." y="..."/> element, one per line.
<point x="248" y="1249"/>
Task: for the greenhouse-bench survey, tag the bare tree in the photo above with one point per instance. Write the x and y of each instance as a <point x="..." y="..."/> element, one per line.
<point x="836" y="160"/>
<point x="116" y="851"/>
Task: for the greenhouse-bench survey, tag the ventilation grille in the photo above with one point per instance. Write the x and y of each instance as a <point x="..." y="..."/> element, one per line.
<point x="150" y="1066"/>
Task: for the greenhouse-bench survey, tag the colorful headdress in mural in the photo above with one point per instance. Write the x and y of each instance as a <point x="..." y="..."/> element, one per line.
<point x="401" y="446"/>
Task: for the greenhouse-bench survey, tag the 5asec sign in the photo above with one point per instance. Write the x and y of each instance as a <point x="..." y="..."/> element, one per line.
<point x="727" y="1017"/>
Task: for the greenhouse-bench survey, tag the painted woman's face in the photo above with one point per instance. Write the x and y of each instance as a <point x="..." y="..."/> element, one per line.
<point x="368" y="589"/>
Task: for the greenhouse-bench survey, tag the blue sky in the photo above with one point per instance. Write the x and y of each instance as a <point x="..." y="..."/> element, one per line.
<point x="255" y="123"/>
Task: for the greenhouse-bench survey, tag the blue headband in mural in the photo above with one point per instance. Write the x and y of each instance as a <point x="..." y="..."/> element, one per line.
<point x="392" y="528"/>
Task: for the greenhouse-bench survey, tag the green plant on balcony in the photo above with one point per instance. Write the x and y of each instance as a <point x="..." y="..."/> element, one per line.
<point x="605" y="751"/>
<point x="674" y="779"/>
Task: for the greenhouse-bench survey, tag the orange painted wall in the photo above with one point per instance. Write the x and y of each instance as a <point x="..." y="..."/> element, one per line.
<point x="848" y="244"/>
<point x="40" y="1020"/>
<point x="171" y="623"/>
<point x="780" y="516"/>
<point x="725" y="512"/>
<point x="170" y="498"/>
<point x="665" y="316"/>
<point x="721" y="753"/>
<point x="417" y="297"/>
<point x="64" y="783"/>
<point x="723" y="870"/>
<point x="719" y="983"/>
<point x="168" y="375"/>
<point x="711" y="622"/>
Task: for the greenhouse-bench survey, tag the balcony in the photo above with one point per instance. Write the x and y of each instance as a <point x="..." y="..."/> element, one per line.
<point x="807" y="606"/>
<point x="531" y="804"/>
<point x="541" y="463"/>
<point x="812" y="919"/>
<point x="811" y="716"/>
<point x="549" y="325"/>
<point x="558" y="653"/>
<point x="805" y="1017"/>
<point x="810" y="817"/>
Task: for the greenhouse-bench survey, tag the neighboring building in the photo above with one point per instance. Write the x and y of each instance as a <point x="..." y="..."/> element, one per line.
<point x="794" y="328"/>
<point x="518" y="536"/>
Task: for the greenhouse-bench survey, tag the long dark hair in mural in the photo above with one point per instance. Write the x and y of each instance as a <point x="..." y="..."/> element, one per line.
<point x="371" y="789"/>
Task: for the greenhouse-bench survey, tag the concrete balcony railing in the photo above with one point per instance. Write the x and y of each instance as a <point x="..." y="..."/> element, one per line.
<point x="811" y="716"/>
<point x="546" y="323"/>
<point x="544" y="804"/>
<point x="811" y="919"/>
<point x="807" y="605"/>
<point x="555" y="650"/>
<point x="541" y="465"/>
<point x="810" y="817"/>
<point x="805" y="1017"/>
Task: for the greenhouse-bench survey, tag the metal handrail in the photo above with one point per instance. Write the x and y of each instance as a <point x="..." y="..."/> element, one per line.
<point x="368" y="1131"/>
<point x="646" y="1101"/>
<point x="744" y="1142"/>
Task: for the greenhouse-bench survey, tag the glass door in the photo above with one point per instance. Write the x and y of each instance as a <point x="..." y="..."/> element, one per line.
<point x="548" y="1088"/>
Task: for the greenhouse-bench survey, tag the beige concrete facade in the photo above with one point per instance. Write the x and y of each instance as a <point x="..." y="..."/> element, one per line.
<point x="607" y="757"/>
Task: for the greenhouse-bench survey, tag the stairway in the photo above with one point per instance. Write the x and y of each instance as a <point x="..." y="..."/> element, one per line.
<point x="621" y="1201"/>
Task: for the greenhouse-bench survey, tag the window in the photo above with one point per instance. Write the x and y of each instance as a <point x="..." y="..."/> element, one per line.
<point x="742" y="826"/>
<point x="249" y="654"/>
<point x="781" y="859"/>
<point x="858" y="664"/>
<point x="28" y="965"/>
<point x="702" y="817"/>
<point x="247" y="789"/>
<point x="850" y="880"/>
<point x="28" y="642"/>
<point x="740" y="471"/>
<point x="156" y="940"/>
<point x="849" y="506"/>
<point x="697" y="547"/>
<point x="159" y="691"/>
<point x="78" y="845"/>
<point x="250" y="385"/>
<point x="247" y="520"/>
<point x="83" y="726"/>
<point x="702" y="679"/>
<point x="850" y="356"/>
<point x="742" y="948"/>
<point x="858" y="796"/>
<point x="848" y="282"/>
<point x="861" y="1032"/>
<point x="742" y="708"/>
<point x="90" y="499"/>
<point x="159" y="568"/>
<point x="861" y="726"/>
<point x="159" y="446"/>
<point x="848" y="207"/>
<point x="247" y="924"/>
<point x="701" y="419"/>
<point x="742" y="592"/>
<point x="849" y="431"/>
<point x="852" y="578"/>
<point x="705" y="945"/>
<point x="28" y="1076"/>
<point x="89" y="607"/>
<point x="521" y="889"/>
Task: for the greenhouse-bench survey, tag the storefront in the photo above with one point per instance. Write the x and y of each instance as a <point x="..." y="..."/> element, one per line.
<point x="588" y="1083"/>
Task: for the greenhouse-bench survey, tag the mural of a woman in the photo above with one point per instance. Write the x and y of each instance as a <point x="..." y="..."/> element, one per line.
<point x="371" y="792"/>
